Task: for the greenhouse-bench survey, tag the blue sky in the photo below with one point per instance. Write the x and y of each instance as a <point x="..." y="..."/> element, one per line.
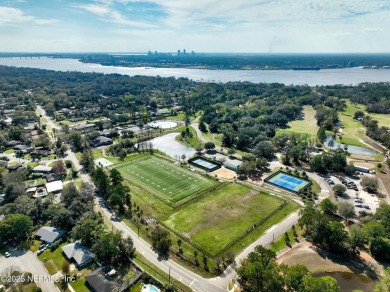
<point x="277" y="26"/>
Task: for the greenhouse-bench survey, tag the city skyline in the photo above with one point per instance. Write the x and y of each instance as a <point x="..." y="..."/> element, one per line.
<point x="255" y="26"/>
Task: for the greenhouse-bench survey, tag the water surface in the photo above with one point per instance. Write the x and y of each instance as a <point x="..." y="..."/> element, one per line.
<point x="321" y="77"/>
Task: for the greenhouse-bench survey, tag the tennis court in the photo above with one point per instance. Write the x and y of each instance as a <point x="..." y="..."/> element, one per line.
<point x="288" y="181"/>
<point x="171" y="182"/>
<point x="204" y="164"/>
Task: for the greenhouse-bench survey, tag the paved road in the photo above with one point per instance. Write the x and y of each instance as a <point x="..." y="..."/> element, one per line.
<point x="28" y="262"/>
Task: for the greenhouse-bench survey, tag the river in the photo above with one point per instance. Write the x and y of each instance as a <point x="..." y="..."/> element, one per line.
<point x="346" y="76"/>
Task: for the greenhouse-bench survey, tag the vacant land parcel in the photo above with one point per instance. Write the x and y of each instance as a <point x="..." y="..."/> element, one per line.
<point x="172" y="183"/>
<point x="218" y="219"/>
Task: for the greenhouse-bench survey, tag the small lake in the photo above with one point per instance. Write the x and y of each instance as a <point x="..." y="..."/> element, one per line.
<point x="170" y="146"/>
<point x="350" y="281"/>
<point x="351" y="149"/>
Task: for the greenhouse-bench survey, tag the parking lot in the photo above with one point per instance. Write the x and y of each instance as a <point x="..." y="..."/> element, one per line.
<point x="355" y="194"/>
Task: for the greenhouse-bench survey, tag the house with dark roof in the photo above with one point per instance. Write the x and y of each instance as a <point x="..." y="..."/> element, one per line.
<point x="101" y="140"/>
<point x="84" y="127"/>
<point x="98" y="281"/>
<point x="49" y="234"/>
<point x="22" y="148"/>
<point x="78" y="253"/>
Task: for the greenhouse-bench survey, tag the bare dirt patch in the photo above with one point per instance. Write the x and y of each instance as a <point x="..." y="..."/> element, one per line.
<point x="224" y="173"/>
<point x="318" y="260"/>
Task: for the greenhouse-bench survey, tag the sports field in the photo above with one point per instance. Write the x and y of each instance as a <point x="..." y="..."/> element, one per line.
<point x="172" y="183"/>
<point x="219" y="218"/>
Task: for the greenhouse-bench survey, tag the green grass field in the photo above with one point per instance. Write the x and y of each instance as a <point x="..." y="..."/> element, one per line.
<point x="383" y="119"/>
<point x="306" y="126"/>
<point x="216" y="220"/>
<point x="172" y="183"/>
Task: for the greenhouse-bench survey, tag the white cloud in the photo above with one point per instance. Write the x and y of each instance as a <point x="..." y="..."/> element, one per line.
<point x="109" y="14"/>
<point x="13" y="16"/>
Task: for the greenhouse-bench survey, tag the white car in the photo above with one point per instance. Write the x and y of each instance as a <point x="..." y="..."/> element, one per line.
<point x="7" y="254"/>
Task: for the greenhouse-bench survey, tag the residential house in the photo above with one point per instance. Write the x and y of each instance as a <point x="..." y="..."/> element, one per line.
<point x="49" y="234"/>
<point x="78" y="253"/>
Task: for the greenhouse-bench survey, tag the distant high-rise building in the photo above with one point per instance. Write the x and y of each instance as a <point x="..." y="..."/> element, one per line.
<point x="155" y="52"/>
<point x="149" y="53"/>
<point x="178" y="52"/>
<point x="192" y="53"/>
<point x="184" y="52"/>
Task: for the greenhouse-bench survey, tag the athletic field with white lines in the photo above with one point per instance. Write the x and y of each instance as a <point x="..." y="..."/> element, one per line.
<point x="171" y="182"/>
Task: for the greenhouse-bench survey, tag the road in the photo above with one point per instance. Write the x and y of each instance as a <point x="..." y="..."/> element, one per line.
<point x="28" y="262"/>
<point x="180" y="273"/>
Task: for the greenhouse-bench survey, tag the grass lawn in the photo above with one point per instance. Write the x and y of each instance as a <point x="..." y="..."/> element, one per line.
<point x="191" y="142"/>
<point x="215" y="138"/>
<point x="35" y="245"/>
<point x="9" y="151"/>
<point x="383" y="119"/>
<point x="172" y="183"/>
<point x="79" y="285"/>
<point x="308" y="125"/>
<point x="280" y="243"/>
<point x="216" y="220"/>
<point x="53" y="261"/>
<point x="353" y="131"/>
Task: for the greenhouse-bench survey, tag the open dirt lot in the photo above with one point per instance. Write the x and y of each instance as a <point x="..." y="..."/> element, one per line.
<point x="224" y="173"/>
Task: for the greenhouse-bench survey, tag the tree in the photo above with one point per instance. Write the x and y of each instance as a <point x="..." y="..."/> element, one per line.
<point x="370" y="183"/>
<point x="323" y="284"/>
<point x="374" y="230"/>
<point x="383" y="214"/>
<point x="115" y="177"/>
<point x="161" y="241"/>
<point x="65" y="267"/>
<point x="384" y="285"/>
<point x="76" y="140"/>
<point x="199" y="148"/>
<point x="231" y="151"/>
<point x="203" y="127"/>
<point x="328" y="207"/>
<point x="59" y="168"/>
<point x="264" y="149"/>
<point x="16" y="226"/>
<point x="101" y="181"/>
<point x="259" y="272"/>
<point x="380" y="248"/>
<point x="87" y="160"/>
<point x="111" y="248"/>
<point x="346" y="210"/>
<point x="88" y="228"/>
<point x="321" y="135"/>
<point x="69" y="194"/>
<point x="339" y="189"/>
<point x="295" y="277"/>
<point x="209" y="145"/>
<point x="357" y="237"/>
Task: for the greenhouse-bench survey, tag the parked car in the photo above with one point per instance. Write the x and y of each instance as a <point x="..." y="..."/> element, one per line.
<point x="40" y="251"/>
<point x="359" y="205"/>
<point x="7" y="254"/>
<point x="366" y="207"/>
<point x="359" y="201"/>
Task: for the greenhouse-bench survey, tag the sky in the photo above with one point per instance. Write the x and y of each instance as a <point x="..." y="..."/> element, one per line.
<point x="252" y="26"/>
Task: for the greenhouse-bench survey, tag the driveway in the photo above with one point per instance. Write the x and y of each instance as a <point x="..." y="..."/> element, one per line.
<point x="28" y="262"/>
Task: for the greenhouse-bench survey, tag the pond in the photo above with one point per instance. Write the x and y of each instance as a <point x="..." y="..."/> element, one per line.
<point x="170" y="146"/>
<point x="351" y="149"/>
<point x="350" y="281"/>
